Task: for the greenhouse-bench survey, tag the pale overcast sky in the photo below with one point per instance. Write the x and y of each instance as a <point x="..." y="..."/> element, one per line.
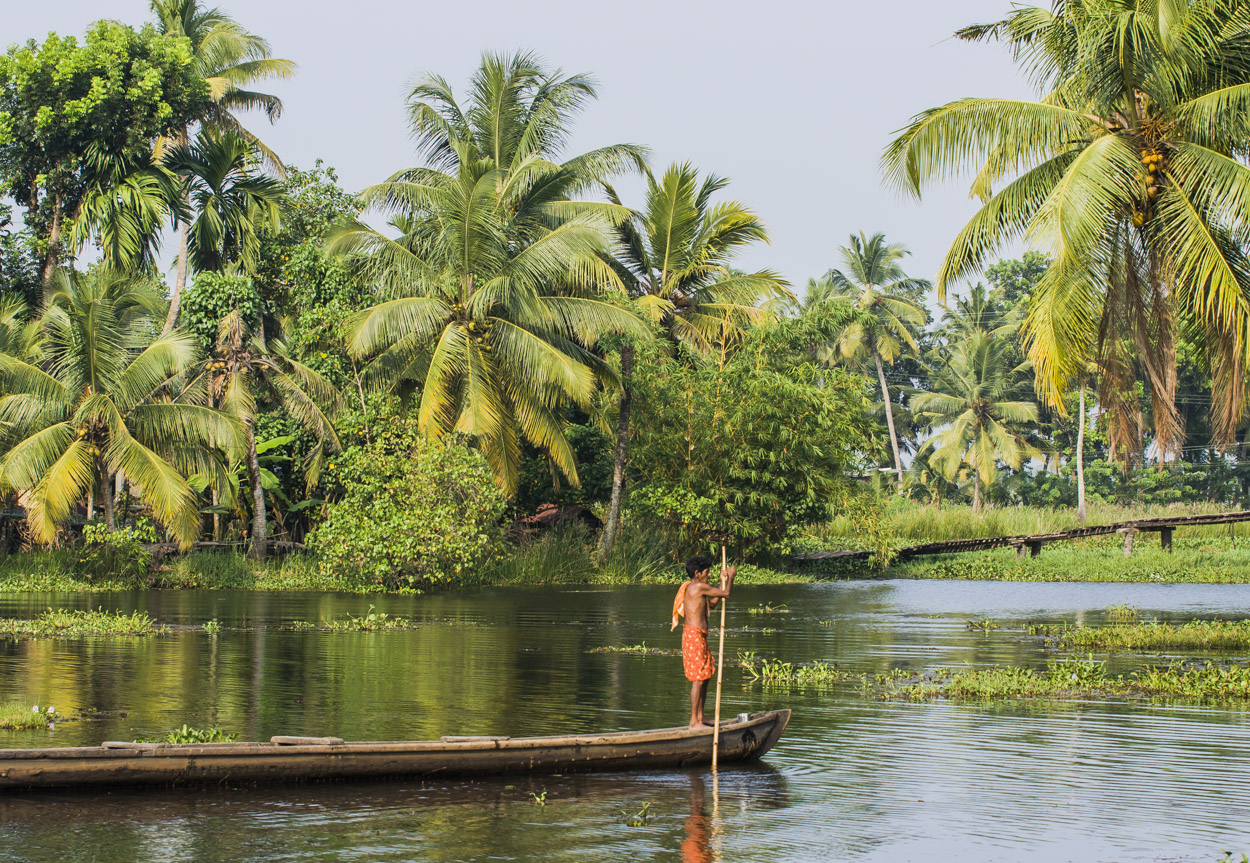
<point x="793" y="101"/>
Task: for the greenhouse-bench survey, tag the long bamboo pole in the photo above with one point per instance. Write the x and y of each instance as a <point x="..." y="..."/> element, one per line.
<point x="720" y="666"/>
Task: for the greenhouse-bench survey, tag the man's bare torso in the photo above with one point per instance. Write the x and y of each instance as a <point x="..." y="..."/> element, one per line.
<point x="696" y="604"/>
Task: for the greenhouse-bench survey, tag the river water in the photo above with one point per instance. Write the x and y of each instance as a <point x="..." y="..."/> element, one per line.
<point x="853" y="779"/>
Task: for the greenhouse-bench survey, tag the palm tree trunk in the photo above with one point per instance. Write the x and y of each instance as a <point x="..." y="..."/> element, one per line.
<point x="180" y="280"/>
<point x="889" y="421"/>
<point x="612" y="525"/>
<point x="258" y="498"/>
<point x="1080" y="462"/>
<point x="976" y="491"/>
<point x="106" y="498"/>
<point x="216" y="498"/>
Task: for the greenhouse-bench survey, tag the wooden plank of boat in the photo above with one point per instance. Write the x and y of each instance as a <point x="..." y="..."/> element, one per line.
<point x="300" y="759"/>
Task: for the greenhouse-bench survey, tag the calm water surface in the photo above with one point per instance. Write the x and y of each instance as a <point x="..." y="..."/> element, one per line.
<point x="853" y="779"/>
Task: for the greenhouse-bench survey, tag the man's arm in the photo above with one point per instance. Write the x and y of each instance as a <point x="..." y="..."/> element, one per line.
<point x="727" y="579"/>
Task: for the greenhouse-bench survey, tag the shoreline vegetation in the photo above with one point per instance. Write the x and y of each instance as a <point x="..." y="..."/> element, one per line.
<point x="1216" y="554"/>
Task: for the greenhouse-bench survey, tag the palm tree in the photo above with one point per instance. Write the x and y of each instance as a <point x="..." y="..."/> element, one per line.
<point x="980" y="312"/>
<point x="889" y="314"/>
<point x="230" y="200"/>
<point x="978" y="403"/>
<point x="492" y="290"/>
<point x="125" y="204"/>
<point x="1127" y="171"/>
<point x="245" y="365"/>
<point x="518" y="113"/>
<point x="93" y="401"/>
<point x="230" y="59"/>
<point x="673" y="258"/>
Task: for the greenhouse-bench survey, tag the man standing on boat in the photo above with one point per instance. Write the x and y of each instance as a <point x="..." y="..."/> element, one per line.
<point x="694" y="598"/>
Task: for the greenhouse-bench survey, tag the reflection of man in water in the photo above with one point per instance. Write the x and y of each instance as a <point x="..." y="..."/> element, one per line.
<point x="693" y="600"/>
<point x="696" y="847"/>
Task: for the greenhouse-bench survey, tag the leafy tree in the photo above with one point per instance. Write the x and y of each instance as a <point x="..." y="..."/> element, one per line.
<point x="245" y="365"/>
<point x="749" y="451"/>
<point x="19" y="264"/>
<point x="409" y="512"/>
<point x="518" y="115"/>
<point x="491" y="302"/>
<point x="96" y="401"/>
<point x="316" y="291"/>
<point x="979" y="404"/>
<point x="926" y="482"/>
<point x="890" y="313"/>
<point x="673" y="257"/>
<point x="1126" y="174"/>
<point x="230" y="59"/>
<point x="232" y="203"/>
<point x="1015" y="279"/>
<point x="62" y="101"/>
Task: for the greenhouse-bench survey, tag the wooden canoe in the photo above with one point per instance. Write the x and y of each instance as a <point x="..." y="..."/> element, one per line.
<point x="305" y="759"/>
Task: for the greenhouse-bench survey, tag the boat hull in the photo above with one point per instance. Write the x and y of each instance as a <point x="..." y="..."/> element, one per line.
<point x="744" y="738"/>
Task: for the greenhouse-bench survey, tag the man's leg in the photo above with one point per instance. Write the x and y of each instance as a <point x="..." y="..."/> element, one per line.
<point x="702" y="701"/>
<point x="697" y="691"/>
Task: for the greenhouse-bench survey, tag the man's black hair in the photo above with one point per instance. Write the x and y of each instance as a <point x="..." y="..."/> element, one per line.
<point x="697" y="564"/>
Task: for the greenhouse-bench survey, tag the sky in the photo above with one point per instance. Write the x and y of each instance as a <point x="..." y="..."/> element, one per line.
<point x="792" y="101"/>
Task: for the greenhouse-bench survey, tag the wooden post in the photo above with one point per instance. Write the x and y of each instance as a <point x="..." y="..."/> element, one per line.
<point x="720" y="668"/>
<point x="1021" y="550"/>
<point x="1035" y="548"/>
<point x="1128" y="539"/>
<point x="1165" y="539"/>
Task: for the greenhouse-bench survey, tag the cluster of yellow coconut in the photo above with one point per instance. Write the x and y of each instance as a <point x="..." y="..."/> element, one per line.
<point x="1153" y="161"/>
<point x="215" y="365"/>
<point x="480" y="333"/>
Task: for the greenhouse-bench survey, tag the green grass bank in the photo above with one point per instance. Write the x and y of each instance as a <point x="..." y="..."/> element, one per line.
<point x="1218" y="554"/>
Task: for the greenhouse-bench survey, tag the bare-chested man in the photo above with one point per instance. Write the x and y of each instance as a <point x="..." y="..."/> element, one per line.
<point x="693" y="600"/>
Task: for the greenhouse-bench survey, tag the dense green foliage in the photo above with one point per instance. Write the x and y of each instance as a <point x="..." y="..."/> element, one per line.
<point x="411" y="513"/>
<point x="746" y="450"/>
<point x="71" y="111"/>
<point x="210" y="299"/>
<point x="312" y="373"/>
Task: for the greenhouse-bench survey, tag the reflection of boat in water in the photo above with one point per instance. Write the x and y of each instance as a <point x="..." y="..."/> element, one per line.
<point x="298" y="759"/>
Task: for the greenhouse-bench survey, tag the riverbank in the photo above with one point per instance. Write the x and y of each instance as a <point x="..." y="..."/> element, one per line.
<point x="37" y="571"/>
<point x="1193" y="560"/>
<point x="1204" y="555"/>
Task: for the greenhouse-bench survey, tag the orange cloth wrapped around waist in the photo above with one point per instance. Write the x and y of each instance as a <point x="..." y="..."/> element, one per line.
<point x="696" y="659"/>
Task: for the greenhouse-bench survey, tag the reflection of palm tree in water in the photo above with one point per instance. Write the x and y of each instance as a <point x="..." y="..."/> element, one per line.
<point x="696" y="847"/>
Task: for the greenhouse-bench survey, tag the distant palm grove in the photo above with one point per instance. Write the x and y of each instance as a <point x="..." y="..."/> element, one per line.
<point x="201" y="343"/>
